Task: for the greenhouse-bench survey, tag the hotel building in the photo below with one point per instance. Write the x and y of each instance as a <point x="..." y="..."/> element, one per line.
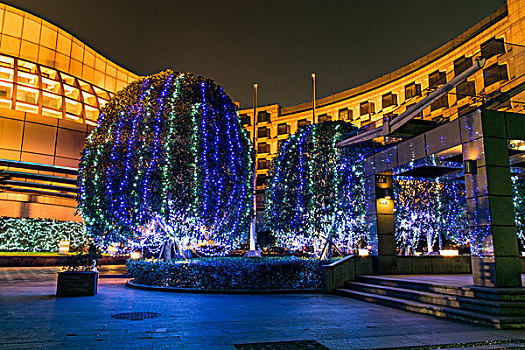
<point x="500" y="38"/>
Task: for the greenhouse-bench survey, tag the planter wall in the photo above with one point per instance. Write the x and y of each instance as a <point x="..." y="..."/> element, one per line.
<point x="77" y="283"/>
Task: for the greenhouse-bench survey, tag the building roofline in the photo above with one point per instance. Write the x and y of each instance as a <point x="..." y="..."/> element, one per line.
<point x="72" y="35"/>
<point x="434" y="55"/>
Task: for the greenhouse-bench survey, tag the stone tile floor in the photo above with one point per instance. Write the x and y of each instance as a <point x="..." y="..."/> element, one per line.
<point x="31" y="317"/>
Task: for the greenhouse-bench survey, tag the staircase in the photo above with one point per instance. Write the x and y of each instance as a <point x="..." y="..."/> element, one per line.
<point x="502" y="308"/>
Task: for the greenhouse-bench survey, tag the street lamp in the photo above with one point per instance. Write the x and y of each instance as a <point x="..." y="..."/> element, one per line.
<point x="253" y="232"/>
<point x="313" y="97"/>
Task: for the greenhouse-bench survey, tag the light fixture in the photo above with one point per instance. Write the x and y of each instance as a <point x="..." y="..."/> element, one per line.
<point x="363" y="252"/>
<point x="113" y="249"/>
<point x="63" y="247"/>
<point x="470" y="167"/>
<point x="449" y="252"/>
<point x="135" y="255"/>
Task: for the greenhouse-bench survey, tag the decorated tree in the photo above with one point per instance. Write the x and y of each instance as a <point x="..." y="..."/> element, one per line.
<point x="316" y="190"/>
<point x="168" y="158"/>
<point x="429" y="212"/>
<point x="518" y="190"/>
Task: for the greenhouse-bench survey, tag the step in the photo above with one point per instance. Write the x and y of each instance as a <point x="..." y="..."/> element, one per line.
<point x="500" y="322"/>
<point x="485" y="293"/>
<point x="477" y="305"/>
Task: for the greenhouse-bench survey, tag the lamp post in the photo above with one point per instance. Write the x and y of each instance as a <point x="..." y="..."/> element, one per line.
<point x="313" y="97"/>
<point x="252" y="251"/>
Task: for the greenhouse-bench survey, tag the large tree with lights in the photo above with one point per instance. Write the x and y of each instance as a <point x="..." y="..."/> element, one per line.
<point x="168" y="156"/>
<point x="430" y="212"/>
<point x="317" y="190"/>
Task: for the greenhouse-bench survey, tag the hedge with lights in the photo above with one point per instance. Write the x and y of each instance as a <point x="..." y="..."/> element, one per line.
<point x="229" y="273"/>
<point x="316" y="189"/>
<point x="168" y="157"/>
<point x="40" y="235"/>
<point x="518" y="191"/>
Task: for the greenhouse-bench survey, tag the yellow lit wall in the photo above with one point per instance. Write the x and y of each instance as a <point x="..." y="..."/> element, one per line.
<point x="52" y="87"/>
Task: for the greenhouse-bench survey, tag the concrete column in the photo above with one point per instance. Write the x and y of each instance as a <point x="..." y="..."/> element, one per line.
<point x="493" y="242"/>
<point x="380" y="221"/>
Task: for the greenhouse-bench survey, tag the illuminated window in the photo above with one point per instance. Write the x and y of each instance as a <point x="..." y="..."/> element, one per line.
<point x="51" y="113"/>
<point x="263" y="147"/>
<point x="91" y="112"/>
<point x="417" y="116"/>
<point x="462" y="64"/>
<point x="245" y="119"/>
<point x="441" y="102"/>
<point x="263" y="132"/>
<point x="73" y="107"/>
<point x="28" y="79"/>
<point x="49" y="73"/>
<point x="71" y="92"/>
<point x="27" y="95"/>
<point x="283" y="129"/>
<point x="412" y="90"/>
<point x="263" y="117"/>
<point x="89" y="99"/>
<point x="27" y="67"/>
<point x="465" y="89"/>
<point x="302" y="122"/>
<point x="7" y="74"/>
<point x="101" y="93"/>
<point x="26" y="107"/>
<point x="51" y="101"/>
<point x="495" y="73"/>
<point x="324" y="118"/>
<point x="7" y="61"/>
<point x="261" y="180"/>
<point x="85" y="86"/>
<point x="263" y="164"/>
<point x="50" y="85"/>
<point x="5" y="90"/>
<point x="259" y="201"/>
<point x="388" y="100"/>
<point x="492" y="47"/>
<point x="436" y="79"/>
<point x="345" y="114"/>
<point x="101" y="102"/>
<point x="366" y="108"/>
<point x="67" y="79"/>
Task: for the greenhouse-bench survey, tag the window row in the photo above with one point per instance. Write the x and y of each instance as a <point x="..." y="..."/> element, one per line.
<point x="262" y="117"/>
<point x="33" y="88"/>
<point x="491" y="75"/>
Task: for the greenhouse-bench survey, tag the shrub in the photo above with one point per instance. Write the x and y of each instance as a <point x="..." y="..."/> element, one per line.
<point x="229" y="273"/>
<point x="40" y="235"/>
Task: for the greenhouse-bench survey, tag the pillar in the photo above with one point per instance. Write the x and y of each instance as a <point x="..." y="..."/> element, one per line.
<point x="493" y="242"/>
<point x="380" y="221"/>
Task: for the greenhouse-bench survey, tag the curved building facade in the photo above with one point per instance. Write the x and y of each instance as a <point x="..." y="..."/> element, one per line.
<point x="500" y="38"/>
<point x="52" y="87"/>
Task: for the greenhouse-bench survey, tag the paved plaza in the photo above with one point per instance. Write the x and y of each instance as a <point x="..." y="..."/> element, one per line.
<point x="33" y="318"/>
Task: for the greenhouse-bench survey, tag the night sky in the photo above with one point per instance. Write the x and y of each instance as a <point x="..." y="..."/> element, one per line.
<point x="275" y="43"/>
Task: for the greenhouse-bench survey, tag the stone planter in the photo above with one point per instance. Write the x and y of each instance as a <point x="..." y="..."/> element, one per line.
<point x="77" y="283"/>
